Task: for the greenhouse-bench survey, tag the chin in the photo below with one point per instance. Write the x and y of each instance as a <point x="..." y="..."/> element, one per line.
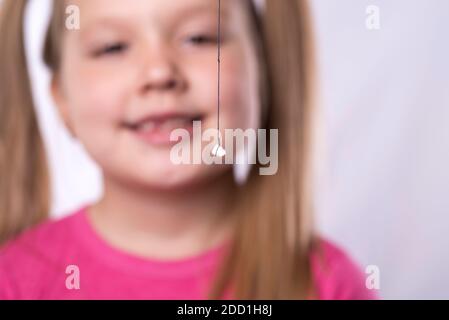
<point x="172" y="178"/>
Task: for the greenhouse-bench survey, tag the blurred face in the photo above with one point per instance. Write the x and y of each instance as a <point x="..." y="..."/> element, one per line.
<point x="137" y="70"/>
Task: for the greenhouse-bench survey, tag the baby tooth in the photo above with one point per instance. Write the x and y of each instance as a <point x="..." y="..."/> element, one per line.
<point x="218" y="151"/>
<point x="173" y="123"/>
<point x="147" y="126"/>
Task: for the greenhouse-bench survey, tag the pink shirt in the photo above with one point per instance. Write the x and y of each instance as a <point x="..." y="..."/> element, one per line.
<point x="34" y="266"/>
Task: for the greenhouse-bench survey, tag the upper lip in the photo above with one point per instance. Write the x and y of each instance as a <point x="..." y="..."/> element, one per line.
<point x="160" y="117"/>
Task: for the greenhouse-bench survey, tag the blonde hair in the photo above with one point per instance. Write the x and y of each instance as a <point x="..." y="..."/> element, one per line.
<point x="269" y="256"/>
<point x="24" y="186"/>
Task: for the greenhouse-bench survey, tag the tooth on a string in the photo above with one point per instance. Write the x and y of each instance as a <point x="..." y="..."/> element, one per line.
<point x="218" y="151"/>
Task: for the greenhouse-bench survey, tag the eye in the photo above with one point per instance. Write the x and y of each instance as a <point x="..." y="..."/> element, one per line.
<point x="202" y="39"/>
<point x="111" y="49"/>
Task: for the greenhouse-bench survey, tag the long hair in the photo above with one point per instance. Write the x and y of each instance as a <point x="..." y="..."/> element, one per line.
<point x="269" y="256"/>
<point x="24" y="187"/>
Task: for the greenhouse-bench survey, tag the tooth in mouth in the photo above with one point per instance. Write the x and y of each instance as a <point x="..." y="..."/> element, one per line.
<point x="166" y="124"/>
<point x="147" y="126"/>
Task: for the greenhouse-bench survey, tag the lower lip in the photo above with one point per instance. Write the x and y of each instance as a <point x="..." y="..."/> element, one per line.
<point x="159" y="137"/>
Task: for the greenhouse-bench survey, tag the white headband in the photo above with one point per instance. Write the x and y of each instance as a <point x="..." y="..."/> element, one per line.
<point x="35" y="25"/>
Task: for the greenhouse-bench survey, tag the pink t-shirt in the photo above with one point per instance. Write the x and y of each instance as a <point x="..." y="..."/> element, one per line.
<point x="50" y="260"/>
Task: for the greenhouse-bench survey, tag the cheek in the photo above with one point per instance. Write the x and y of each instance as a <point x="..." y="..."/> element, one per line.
<point x="95" y="103"/>
<point x="95" y="98"/>
<point x="238" y="87"/>
<point x="236" y="92"/>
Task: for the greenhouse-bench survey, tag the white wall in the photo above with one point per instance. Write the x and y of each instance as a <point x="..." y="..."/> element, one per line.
<point x="386" y="99"/>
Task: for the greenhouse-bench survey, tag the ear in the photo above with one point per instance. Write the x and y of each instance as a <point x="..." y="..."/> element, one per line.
<point x="61" y="104"/>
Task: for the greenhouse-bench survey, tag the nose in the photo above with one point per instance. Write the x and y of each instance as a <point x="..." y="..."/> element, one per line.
<point x="161" y="71"/>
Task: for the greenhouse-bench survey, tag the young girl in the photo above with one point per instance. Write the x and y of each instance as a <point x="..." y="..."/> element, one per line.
<point x="133" y="72"/>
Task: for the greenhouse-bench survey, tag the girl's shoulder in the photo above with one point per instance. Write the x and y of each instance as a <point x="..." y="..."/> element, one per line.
<point x="336" y="274"/>
<point x="37" y="255"/>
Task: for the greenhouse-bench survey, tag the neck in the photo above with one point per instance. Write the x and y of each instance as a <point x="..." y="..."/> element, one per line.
<point x="165" y="224"/>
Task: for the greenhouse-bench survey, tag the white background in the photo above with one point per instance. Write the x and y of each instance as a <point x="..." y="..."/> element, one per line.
<point x="386" y="107"/>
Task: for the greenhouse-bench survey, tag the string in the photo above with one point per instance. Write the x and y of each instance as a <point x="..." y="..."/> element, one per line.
<point x="218" y="71"/>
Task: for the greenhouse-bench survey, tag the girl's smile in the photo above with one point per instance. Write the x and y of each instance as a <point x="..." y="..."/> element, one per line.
<point x="157" y="128"/>
<point x="129" y="78"/>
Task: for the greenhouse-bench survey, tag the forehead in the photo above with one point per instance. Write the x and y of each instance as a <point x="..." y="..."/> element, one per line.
<point x="153" y="11"/>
